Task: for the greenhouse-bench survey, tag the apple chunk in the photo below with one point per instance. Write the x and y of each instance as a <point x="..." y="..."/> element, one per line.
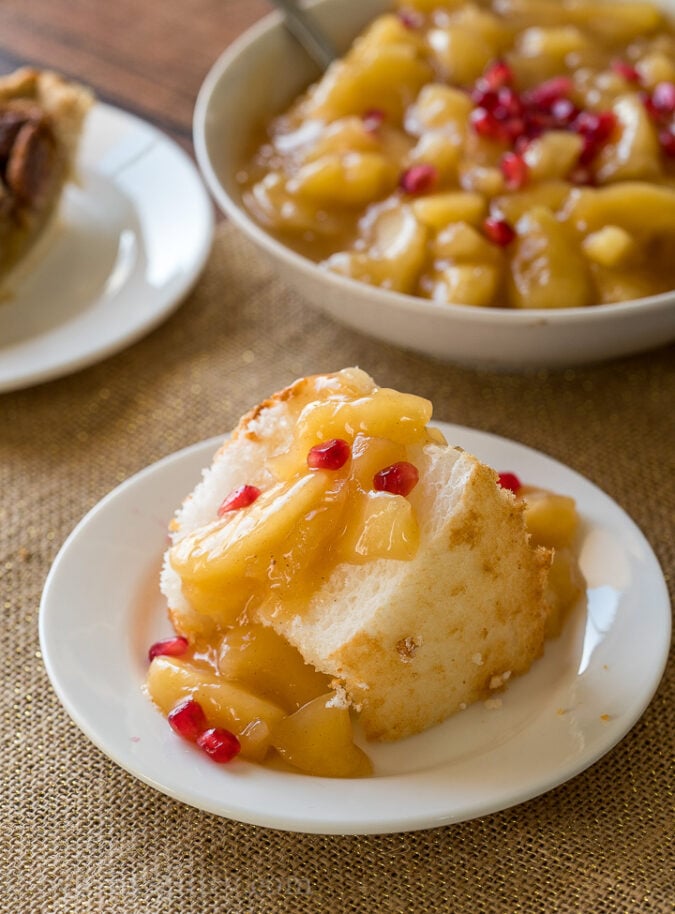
<point x="318" y="740"/>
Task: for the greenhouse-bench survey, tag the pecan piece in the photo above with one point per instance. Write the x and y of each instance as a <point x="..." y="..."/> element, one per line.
<point x="30" y="169"/>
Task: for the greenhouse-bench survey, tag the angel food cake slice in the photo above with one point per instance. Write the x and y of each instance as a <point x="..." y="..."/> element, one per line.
<point x="41" y="118"/>
<point x="390" y="570"/>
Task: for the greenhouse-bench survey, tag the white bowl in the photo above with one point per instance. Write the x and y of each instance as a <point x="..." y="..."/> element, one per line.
<point x="256" y="78"/>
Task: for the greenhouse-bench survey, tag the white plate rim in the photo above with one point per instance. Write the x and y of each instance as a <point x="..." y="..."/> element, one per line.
<point x="112" y="339"/>
<point x="385" y="804"/>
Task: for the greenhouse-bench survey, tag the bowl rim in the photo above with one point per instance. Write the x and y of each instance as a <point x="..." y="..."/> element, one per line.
<point x="417" y="304"/>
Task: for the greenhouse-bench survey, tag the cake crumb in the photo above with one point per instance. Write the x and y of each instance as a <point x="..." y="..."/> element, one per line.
<point x="339" y="699"/>
<point x="493" y="703"/>
<point x="477" y="658"/>
<point x="498" y="681"/>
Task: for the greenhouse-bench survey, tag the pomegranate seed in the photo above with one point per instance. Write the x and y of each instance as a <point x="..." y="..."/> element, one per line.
<point x="510" y="481"/>
<point x="219" y="744"/>
<point x="170" y="647"/>
<point x="239" y="498"/>
<point x="398" y="479"/>
<point x="515" y="170"/>
<point x="496" y="75"/>
<point x="508" y="103"/>
<point x="646" y="100"/>
<point x="483" y="97"/>
<point x="545" y="94"/>
<point x="410" y="19"/>
<point x="667" y="141"/>
<point x="536" y="123"/>
<point x="330" y="455"/>
<point x="597" y="126"/>
<point x="188" y="720"/>
<point x="499" y="231"/>
<point x="418" y="179"/>
<point x="515" y="128"/>
<point x="564" y="111"/>
<point x="372" y="119"/>
<point x="627" y="70"/>
<point x="486" y="125"/>
<point x="589" y="151"/>
<point x="663" y="98"/>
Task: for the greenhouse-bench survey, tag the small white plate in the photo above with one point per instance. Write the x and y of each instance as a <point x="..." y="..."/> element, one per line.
<point x="129" y="243"/>
<point x="101" y="609"/>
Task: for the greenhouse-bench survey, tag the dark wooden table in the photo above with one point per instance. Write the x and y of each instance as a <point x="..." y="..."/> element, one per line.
<point x="146" y="56"/>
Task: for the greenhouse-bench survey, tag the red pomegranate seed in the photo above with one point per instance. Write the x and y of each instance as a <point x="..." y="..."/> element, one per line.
<point x="410" y="19"/>
<point x="486" y="125"/>
<point x="515" y="170"/>
<point x="170" y="647"/>
<point x="663" y="98"/>
<point x="667" y="141"/>
<point x="508" y="103"/>
<point x="398" y="479"/>
<point x="627" y="70"/>
<point x="496" y="75"/>
<point x="188" y="720"/>
<point x="589" y="151"/>
<point x="536" y="122"/>
<point x="510" y="481"/>
<point x="545" y="94"/>
<point x="499" y="231"/>
<point x="330" y="455"/>
<point x="418" y="179"/>
<point x="646" y="100"/>
<point x="239" y="498"/>
<point x="372" y="119"/>
<point x="597" y="126"/>
<point x="219" y="744"/>
<point x="483" y="97"/>
<point x="564" y="111"/>
<point x="515" y="128"/>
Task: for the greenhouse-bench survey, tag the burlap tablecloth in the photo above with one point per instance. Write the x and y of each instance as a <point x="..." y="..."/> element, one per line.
<point x="81" y="836"/>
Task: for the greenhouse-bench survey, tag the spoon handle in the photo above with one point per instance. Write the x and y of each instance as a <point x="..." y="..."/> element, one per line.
<point x="317" y="45"/>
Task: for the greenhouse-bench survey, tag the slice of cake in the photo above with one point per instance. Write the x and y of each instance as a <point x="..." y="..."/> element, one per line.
<point x="41" y="118"/>
<point x="392" y="561"/>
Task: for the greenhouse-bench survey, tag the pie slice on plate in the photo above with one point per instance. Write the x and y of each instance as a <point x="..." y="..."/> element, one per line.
<point x="41" y="119"/>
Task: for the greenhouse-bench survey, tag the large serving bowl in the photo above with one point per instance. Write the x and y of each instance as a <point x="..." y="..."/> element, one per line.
<point x="256" y="78"/>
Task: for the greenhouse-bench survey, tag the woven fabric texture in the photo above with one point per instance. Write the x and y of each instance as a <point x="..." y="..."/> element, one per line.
<point x="81" y="836"/>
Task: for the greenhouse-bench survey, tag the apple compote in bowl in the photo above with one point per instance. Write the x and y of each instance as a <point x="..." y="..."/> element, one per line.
<point x="490" y="182"/>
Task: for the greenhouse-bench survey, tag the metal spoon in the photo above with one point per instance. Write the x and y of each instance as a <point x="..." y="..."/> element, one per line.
<point x="301" y="26"/>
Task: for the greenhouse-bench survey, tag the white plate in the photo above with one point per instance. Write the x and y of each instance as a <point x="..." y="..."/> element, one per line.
<point x="128" y="245"/>
<point x="101" y="609"/>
